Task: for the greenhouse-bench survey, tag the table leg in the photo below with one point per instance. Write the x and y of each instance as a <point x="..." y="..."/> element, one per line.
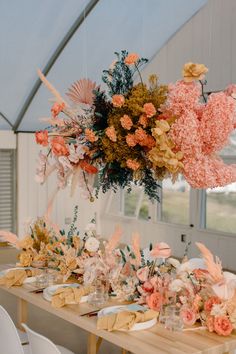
<point x="123" y="351"/>
<point x="22" y="313"/>
<point x="99" y="342"/>
<point x="92" y="344"/>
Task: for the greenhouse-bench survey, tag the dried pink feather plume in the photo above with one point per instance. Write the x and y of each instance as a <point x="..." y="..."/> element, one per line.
<point x="214" y="267"/>
<point x="136" y="248"/>
<point x="114" y="240"/>
<point x="51" y="88"/>
<point x="9" y="237"/>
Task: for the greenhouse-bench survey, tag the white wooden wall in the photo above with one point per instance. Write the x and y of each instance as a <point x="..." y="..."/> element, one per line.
<point x="209" y="38"/>
<point x="33" y="198"/>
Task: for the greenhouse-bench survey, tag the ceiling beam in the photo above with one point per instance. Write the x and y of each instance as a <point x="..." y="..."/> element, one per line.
<point x="78" y="22"/>
<point x="6" y="119"/>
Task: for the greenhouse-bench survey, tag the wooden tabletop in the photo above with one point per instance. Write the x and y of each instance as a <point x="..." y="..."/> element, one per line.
<point x="156" y="340"/>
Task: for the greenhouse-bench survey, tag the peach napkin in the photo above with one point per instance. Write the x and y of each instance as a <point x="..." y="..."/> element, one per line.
<point x="124" y="320"/>
<point x="16" y="277"/>
<point x="69" y="295"/>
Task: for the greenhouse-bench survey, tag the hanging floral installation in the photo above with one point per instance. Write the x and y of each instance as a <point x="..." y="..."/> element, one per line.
<point x="138" y="133"/>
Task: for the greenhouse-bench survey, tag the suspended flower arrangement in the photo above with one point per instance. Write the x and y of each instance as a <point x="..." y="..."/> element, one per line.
<point x="137" y="133"/>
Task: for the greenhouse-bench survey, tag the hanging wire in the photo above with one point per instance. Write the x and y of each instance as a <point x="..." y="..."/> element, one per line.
<point x="85" y="47"/>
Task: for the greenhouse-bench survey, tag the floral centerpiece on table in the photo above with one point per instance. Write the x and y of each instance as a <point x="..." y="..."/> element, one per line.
<point x="137" y="132"/>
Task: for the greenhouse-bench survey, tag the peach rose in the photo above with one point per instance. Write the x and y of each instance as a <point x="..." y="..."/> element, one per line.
<point x="133" y="164"/>
<point x="118" y="100"/>
<point x="188" y="316"/>
<point x="210" y="302"/>
<point x="126" y="122"/>
<point x="59" y="147"/>
<point x="149" y="110"/>
<point x="142" y="274"/>
<point x="193" y="72"/>
<point x="131" y="59"/>
<point x="143" y="120"/>
<point x="42" y="137"/>
<point x="111" y="133"/>
<point x="90" y="135"/>
<point x="223" y="326"/>
<point x="131" y="140"/>
<point x="161" y="250"/>
<point x="154" y="301"/>
<point x="57" y="108"/>
<point x="210" y="323"/>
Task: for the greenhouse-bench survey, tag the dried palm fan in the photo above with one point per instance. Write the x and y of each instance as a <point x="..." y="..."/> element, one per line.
<point x="81" y="91"/>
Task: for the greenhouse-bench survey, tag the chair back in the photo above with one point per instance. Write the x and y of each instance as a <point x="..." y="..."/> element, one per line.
<point x="9" y="339"/>
<point x="40" y="344"/>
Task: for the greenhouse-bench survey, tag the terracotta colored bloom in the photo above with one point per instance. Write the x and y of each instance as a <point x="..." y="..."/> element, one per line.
<point x="223" y="326"/>
<point x="111" y="133"/>
<point x="59" y="147"/>
<point x="193" y="72"/>
<point x="133" y="164"/>
<point x="143" y="120"/>
<point x="42" y="137"/>
<point x="90" y="135"/>
<point x="118" y="100"/>
<point x="210" y="302"/>
<point x="130" y="140"/>
<point x="188" y="316"/>
<point x="154" y="301"/>
<point x="57" y="108"/>
<point x="210" y="323"/>
<point x="131" y="59"/>
<point x="87" y="167"/>
<point x="126" y="122"/>
<point x="149" y="110"/>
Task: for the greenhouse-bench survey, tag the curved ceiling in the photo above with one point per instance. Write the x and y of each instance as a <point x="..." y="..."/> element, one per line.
<point x="73" y="39"/>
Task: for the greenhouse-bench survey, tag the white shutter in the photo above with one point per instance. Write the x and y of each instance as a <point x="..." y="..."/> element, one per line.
<point x="7" y="190"/>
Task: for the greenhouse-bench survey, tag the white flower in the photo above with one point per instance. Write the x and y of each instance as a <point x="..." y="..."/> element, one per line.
<point x="218" y="310"/>
<point x="176" y="285"/>
<point x="92" y="244"/>
<point x="174" y="262"/>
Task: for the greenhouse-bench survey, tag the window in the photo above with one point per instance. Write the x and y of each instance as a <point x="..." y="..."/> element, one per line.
<point x="7" y="190"/>
<point x="175" y="201"/>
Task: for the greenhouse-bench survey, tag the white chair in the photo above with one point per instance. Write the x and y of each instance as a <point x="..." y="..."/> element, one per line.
<point x="9" y="339"/>
<point x="42" y="345"/>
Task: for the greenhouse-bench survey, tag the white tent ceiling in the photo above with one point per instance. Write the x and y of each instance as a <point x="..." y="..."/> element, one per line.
<point x="73" y="39"/>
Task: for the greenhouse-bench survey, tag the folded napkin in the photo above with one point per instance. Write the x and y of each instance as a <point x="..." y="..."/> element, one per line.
<point x="124" y="319"/>
<point x="16" y="277"/>
<point x="69" y="295"/>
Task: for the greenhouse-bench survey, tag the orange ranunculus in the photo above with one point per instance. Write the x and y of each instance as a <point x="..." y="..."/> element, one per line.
<point x="88" y="168"/>
<point x="90" y="135"/>
<point x="118" y="100"/>
<point x="111" y="133"/>
<point x="154" y="301"/>
<point x="149" y="109"/>
<point x="193" y="72"/>
<point x="57" y="108"/>
<point x="126" y="122"/>
<point x="131" y="140"/>
<point x="143" y="120"/>
<point x="59" y="147"/>
<point x="222" y="325"/>
<point x="133" y="164"/>
<point x="42" y="137"/>
<point x="131" y="59"/>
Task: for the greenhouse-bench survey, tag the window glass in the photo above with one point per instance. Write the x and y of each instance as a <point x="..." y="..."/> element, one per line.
<point x="230" y="149"/>
<point x="175" y="201"/>
<point x="221" y="208"/>
<point x="136" y="203"/>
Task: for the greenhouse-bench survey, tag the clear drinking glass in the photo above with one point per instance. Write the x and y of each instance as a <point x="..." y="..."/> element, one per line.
<point x="98" y="297"/>
<point x="173" y="320"/>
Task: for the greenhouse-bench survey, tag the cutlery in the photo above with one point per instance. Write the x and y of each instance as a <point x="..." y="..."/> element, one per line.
<point x="91" y="313"/>
<point x="36" y="291"/>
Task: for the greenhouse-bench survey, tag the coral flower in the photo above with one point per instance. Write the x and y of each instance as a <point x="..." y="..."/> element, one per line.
<point x="118" y="100"/>
<point x="131" y="140"/>
<point x="193" y="72"/>
<point x="131" y="59"/>
<point x="210" y="302"/>
<point x="149" y="110"/>
<point x="88" y="168"/>
<point x="126" y="122"/>
<point x="143" y="120"/>
<point x="90" y="135"/>
<point x="188" y="316"/>
<point x="133" y="164"/>
<point x="154" y="301"/>
<point x="57" y="108"/>
<point x="42" y="137"/>
<point x="223" y="326"/>
<point x="59" y="147"/>
<point x="111" y="133"/>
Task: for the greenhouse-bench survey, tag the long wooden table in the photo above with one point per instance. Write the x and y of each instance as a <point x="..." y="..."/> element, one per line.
<point x="156" y="340"/>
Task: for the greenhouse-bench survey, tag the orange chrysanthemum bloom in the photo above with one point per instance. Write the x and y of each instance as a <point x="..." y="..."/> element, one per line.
<point x="133" y="164"/>
<point x="126" y="122"/>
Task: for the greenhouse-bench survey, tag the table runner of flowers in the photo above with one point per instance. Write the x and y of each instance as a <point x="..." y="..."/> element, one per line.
<point x="204" y="293"/>
<point x="137" y="132"/>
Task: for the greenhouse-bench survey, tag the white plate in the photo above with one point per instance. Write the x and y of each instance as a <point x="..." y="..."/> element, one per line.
<point x="50" y="291"/>
<point x="27" y="280"/>
<point x="136" y="327"/>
